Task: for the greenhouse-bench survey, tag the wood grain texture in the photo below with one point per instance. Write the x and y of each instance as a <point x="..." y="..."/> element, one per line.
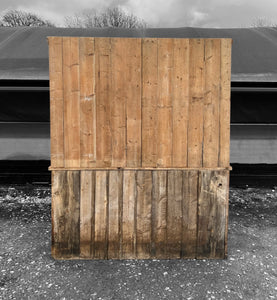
<point x="115" y="210"/>
<point x="87" y="103"/>
<point x="103" y="105"/>
<point x="159" y="214"/>
<point x="87" y="213"/>
<point x="149" y="102"/>
<point x="211" y="103"/>
<point x="144" y="186"/>
<point x="126" y="214"/>
<point x="133" y="102"/>
<point x="196" y="99"/>
<point x="180" y="103"/>
<point x="164" y="102"/>
<point x="140" y="136"/>
<point x="189" y="212"/>
<point x="56" y="100"/>
<point x="101" y="217"/>
<point x="118" y="99"/>
<point x="224" y="105"/>
<point x="212" y="200"/>
<point x="71" y="101"/>
<point x="174" y="214"/>
<point x="58" y="207"/>
<point x="129" y="215"/>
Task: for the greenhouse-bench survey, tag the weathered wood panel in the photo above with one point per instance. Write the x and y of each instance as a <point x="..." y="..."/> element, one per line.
<point x="131" y="102"/>
<point x="164" y="103"/>
<point x="56" y="100"/>
<point x="224" y="104"/>
<point x="213" y="195"/>
<point x="144" y="187"/>
<point x="180" y="103"/>
<point x="149" y="102"/>
<point x="124" y="214"/>
<point x="189" y="213"/>
<point x="87" y="213"/>
<point x="87" y="103"/>
<point x="211" y="103"/>
<point x="139" y="147"/>
<point x="103" y="105"/>
<point x="71" y="102"/>
<point x="101" y="217"/>
<point x="196" y="100"/>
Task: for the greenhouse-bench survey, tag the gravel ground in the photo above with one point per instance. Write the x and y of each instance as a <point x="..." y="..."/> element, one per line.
<point x="27" y="270"/>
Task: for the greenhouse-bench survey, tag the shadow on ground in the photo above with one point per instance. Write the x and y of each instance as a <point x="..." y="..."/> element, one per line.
<point x="27" y="270"/>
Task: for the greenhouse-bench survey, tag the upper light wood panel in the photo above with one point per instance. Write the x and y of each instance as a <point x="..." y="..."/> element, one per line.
<point x="132" y="102"/>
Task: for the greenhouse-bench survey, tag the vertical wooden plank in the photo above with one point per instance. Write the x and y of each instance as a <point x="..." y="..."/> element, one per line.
<point x="103" y="105"/>
<point x="174" y="213"/>
<point x="58" y="208"/>
<point x="213" y="189"/>
<point x="180" y="102"/>
<point x="149" y="101"/>
<point x="101" y="202"/>
<point x="128" y="215"/>
<point x="159" y="216"/>
<point x="73" y="213"/>
<point x="56" y="101"/>
<point x="87" y="103"/>
<point x="164" y="111"/>
<point x="118" y="101"/>
<point x="211" y="103"/>
<point x="196" y="98"/>
<point x="224" y="110"/>
<point x="115" y="199"/>
<point x="87" y="214"/>
<point x="189" y="212"/>
<point x="71" y="101"/>
<point x="133" y="102"/>
<point x="144" y="199"/>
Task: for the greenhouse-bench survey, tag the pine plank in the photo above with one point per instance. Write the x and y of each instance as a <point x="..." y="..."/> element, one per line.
<point x="180" y="102"/>
<point x="72" y="213"/>
<point x="87" y="214"/>
<point x="101" y="217"/>
<point x="71" y="102"/>
<point x="164" y="102"/>
<point x="174" y="214"/>
<point x="144" y="201"/>
<point x="58" y="208"/>
<point x="128" y="215"/>
<point x="149" y="102"/>
<point x="115" y="205"/>
<point x="211" y="103"/>
<point x="103" y="105"/>
<point x="196" y="98"/>
<point x="87" y="103"/>
<point x="224" y="110"/>
<point x="212" y="211"/>
<point x="118" y="101"/>
<point x="159" y="214"/>
<point x="133" y="102"/>
<point x="189" y="212"/>
<point x="56" y="100"/>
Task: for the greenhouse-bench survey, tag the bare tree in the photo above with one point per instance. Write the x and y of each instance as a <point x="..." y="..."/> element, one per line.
<point x="262" y="22"/>
<point x="14" y="18"/>
<point x="111" y="17"/>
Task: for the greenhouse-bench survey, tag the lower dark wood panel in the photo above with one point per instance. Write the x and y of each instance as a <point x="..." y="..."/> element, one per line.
<point x="139" y="214"/>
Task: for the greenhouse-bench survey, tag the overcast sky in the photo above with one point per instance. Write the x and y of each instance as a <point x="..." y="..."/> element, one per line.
<point x="160" y="13"/>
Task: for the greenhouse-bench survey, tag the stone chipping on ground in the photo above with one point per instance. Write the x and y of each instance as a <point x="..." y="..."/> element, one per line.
<point x="27" y="270"/>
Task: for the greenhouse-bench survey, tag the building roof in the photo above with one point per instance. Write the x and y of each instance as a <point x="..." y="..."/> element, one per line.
<point x="24" y="50"/>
